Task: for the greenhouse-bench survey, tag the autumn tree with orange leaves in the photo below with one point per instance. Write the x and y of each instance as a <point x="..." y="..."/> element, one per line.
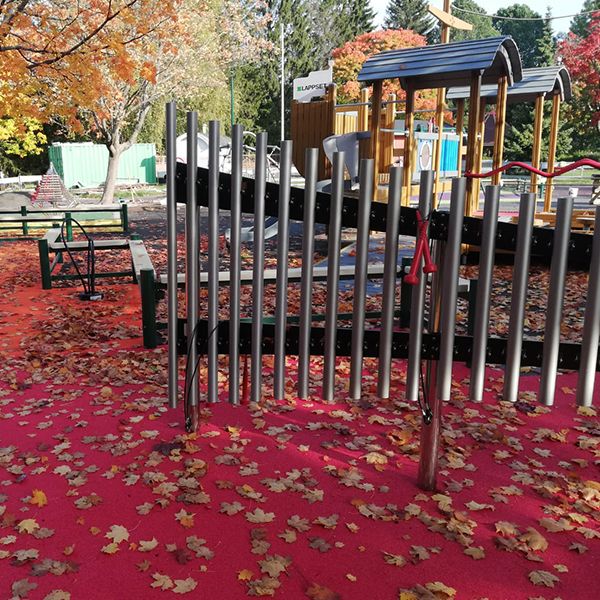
<point x="350" y="57"/>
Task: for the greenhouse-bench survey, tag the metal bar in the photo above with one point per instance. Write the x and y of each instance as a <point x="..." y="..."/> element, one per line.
<point x="125" y="216"/>
<point x="283" y="239"/>
<point x="258" y="282"/>
<point x="147" y="290"/>
<point x="235" y="249"/>
<point x="390" y="265"/>
<point x="191" y="262"/>
<point x="213" y="259"/>
<point x="558" y="271"/>
<point x="360" y="282"/>
<point x="333" y="270"/>
<point x="514" y="342"/>
<point x="450" y="288"/>
<point x="24" y="223"/>
<point x="484" y="290"/>
<point x="306" y="282"/>
<point x="69" y="226"/>
<point x="45" y="269"/>
<point x="591" y="326"/>
<point x="173" y="361"/>
<point x="417" y="302"/>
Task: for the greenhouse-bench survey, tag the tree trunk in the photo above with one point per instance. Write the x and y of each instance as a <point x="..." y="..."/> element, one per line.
<point x="114" y="154"/>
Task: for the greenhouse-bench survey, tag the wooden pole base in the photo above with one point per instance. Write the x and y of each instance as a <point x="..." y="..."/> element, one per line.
<point x="430" y="435"/>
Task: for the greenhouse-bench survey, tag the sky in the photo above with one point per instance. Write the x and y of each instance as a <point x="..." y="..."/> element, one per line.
<point x="558" y="8"/>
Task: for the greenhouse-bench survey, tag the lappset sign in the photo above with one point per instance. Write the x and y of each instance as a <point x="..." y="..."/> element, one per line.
<point x="306" y="88"/>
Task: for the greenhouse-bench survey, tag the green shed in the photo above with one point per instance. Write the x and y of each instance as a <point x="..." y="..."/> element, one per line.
<point x="85" y="164"/>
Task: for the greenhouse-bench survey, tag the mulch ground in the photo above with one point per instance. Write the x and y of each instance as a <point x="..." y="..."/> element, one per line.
<point x="104" y="495"/>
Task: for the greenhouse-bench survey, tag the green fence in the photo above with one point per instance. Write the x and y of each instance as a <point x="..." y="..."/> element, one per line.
<point x="84" y="165"/>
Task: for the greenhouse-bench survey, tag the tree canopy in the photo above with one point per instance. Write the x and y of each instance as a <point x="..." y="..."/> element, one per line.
<point x="533" y="36"/>
<point x="482" y="22"/>
<point x="580" y="23"/>
<point x="409" y="14"/>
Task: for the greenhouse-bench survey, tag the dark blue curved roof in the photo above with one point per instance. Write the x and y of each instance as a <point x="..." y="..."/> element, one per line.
<point x="446" y="65"/>
<point x="536" y="81"/>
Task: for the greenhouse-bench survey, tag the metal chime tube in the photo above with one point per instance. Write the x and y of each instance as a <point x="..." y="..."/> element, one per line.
<point x="389" y="282"/>
<point x="213" y="260"/>
<point x="283" y="240"/>
<point x="591" y="325"/>
<point x="235" y="263"/>
<point x="520" y="277"/>
<point x="333" y="275"/>
<point x="484" y="290"/>
<point x="192" y="267"/>
<point x="306" y="278"/>
<point x="360" y="276"/>
<point x="558" y="272"/>
<point x="172" y="254"/>
<point x="417" y="303"/>
<point x="258" y="266"/>
<point x="450" y="288"/>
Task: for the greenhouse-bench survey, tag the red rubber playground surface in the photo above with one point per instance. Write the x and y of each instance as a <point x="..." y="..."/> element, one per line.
<point x="103" y="495"/>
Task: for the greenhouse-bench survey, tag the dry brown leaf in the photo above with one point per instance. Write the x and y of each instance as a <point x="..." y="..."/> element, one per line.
<point x="162" y="582"/>
<point x="118" y="534"/>
<point x="534" y="539"/>
<point x="475" y="552"/>
<point x="543" y="578"/>
<point x="183" y="586"/>
<point x="397" y="560"/>
<point x="245" y="575"/>
<point x="259" y="516"/>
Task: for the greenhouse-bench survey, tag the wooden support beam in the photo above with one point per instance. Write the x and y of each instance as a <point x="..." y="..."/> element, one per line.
<point x="409" y="126"/>
<point x="537" y="140"/>
<point x="363" y="110"/>
<point x="375" y="131"/>
<point x="439" y="112"/>
<point x="460" y="123"/>
<point x="500" y="128"/>
<point x="552" y="150"/>
<point x="472" y="138"/>
<point x="479" y="154"/>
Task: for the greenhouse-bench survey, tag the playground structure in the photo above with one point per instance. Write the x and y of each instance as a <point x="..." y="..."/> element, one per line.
<point x="437" y="343"/>
<point x="537" y="85"/>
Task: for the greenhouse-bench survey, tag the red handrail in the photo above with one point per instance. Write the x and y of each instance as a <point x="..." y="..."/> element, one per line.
<point x="583" y="162"/>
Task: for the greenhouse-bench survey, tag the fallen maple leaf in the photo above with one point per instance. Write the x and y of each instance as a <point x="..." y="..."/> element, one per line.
<point x="476" y="552"/>
<point x="111" y="548"/>
<point x="396" y="560"/>
<point x="147" y="545"/>
<point x="183" y="586"/>
<point x="534" y="539"/>
<point x="58" y="595"/>
<point x="185" y="518"/>
<point x="22" y="587"/>
<point x="38" y="498"/>
<point x="163" y="582"/>
<point x="27" y="526"/>
<point x="245" y="575"/>
<point x="320" y="592"/>
<point x="118" y="534"/>
<point x="260" y="516"/>
<point x="543" y="578"/>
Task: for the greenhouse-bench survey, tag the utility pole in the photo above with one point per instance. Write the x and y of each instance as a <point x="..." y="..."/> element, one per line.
<point x="282" y="84"/>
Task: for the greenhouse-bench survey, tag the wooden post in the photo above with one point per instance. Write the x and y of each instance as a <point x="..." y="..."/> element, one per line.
<point x="472" y="137"/>
<point x="500" y="128"/>
<point x="387" y="138"/>
<point x="409" y="125"/>
<point x="479" y="155"/>
<point x="375" y="131"/>
<point x="552" y="150"/>
<point x="363" y="110"/>
<point x="439" y="114"/>
<point x="537" y="140"/>
<point x="460" y="123"/>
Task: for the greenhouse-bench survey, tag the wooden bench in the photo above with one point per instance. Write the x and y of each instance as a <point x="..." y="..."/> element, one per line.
<point x="51" y="244"/>
<point x="25" y="217"/>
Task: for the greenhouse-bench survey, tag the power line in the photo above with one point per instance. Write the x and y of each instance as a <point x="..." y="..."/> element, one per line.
<point x="550" y="18"/>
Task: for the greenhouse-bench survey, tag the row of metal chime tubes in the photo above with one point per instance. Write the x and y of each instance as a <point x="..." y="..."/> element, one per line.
<point x="445" y="281"/>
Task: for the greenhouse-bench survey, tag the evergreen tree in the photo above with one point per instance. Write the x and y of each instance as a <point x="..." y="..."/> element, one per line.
<point x="579" y="24"/>
<point x="534" y="38"/>
<point x="409" y="14"/>
<point x="482" y="25"/>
